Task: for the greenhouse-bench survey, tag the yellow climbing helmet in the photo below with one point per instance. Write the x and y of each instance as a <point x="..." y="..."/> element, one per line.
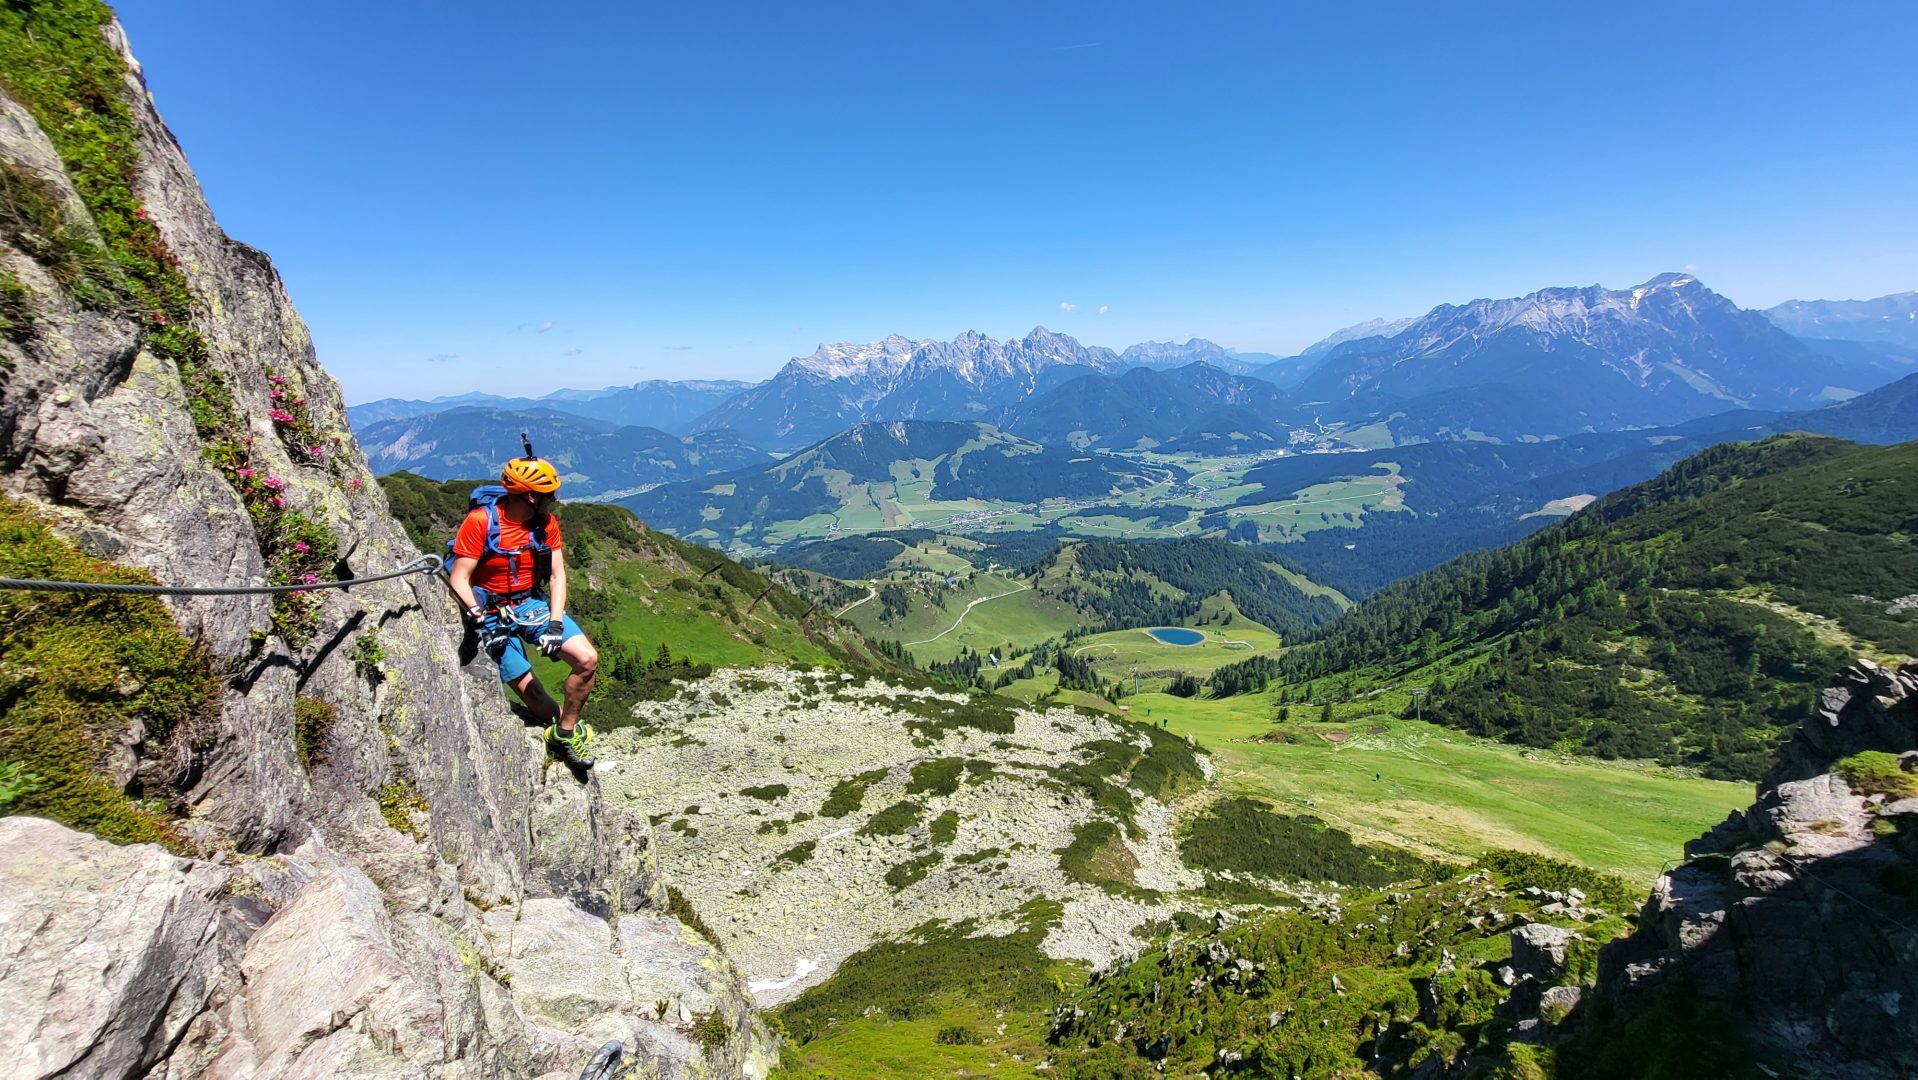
<point x="535" y="475"/>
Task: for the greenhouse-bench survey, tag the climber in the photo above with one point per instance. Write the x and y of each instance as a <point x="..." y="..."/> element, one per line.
<point x="509" y="572"/>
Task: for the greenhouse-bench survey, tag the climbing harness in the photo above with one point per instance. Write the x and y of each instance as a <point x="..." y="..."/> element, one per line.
<point x="425" y="564"/>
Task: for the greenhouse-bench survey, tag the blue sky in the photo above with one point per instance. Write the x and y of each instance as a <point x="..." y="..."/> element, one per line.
<point x="706" y="189"/>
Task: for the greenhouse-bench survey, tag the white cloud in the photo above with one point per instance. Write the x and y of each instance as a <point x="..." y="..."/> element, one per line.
<point x="1691" y="268"/>
<point x="544" y="326"/>
<point x="442" y="358"/>
<point x="572" y="352"/>
<point x="1067" y="305"/>
<point x="1103" y="308"/>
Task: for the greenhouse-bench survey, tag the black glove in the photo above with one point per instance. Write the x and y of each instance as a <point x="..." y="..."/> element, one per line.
<point x="550" y="641"/>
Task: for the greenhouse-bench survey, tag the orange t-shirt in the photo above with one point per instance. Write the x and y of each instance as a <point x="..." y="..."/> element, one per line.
<point x="495" y="573"/>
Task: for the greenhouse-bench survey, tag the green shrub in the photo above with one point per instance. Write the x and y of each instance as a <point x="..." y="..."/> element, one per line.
<point x="847" y="795"/>
<point x="944" y="828"/>
<point x="368" y="655"/>
<point x="939" y="776"/>
<point x="912" y="870"/>
<point x="901" y="979"/>
<point x="798" y="853"/>
<point x="1522" y="870"/>
<point x="766" y="793"/>
<point x="893" y="820"/>
<point x="957" y="1035"/>
<point x="1244" y="835"/>
<point x="711" y="1031"/>
<point x="401" y="804"/>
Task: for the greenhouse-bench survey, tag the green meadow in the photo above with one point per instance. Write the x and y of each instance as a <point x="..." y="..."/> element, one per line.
<point x="1443" y="792"/>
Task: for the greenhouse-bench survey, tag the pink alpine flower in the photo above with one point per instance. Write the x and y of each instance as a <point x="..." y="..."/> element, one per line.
<point x="316" y="452"/>
<point x="245" y="473"/>
<point x="276" y="379"/>
<point x="307" y="579"/>
<point x="276" y="394"/>
<point x="281" y="416"/>
<point x="278" y="503"/>
<point x="300" y="546"/>
<point x="355" y="484"/>
<point x="274" y="483"/>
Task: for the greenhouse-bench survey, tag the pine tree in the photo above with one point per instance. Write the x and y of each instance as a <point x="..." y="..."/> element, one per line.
<point x="1325" y="714"/>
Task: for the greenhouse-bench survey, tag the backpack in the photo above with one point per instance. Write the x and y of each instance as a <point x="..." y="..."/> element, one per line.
<point x="487" y="497"/>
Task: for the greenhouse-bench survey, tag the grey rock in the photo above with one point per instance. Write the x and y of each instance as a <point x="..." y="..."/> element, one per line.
<point x="109" y="951"/>
<point x="577" y="973"/>
<point x="1558" y="1002"/>
<point x="594" y="852"/>
<point x="1538" y="950"/>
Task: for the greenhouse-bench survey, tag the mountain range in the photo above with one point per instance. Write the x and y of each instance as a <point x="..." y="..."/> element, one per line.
<point x="1567" y="360"/>
<point x="972" y="377"/>
<point x="1557" y="362"/>
<point x="594" y="457"/>
<point x="668" y="405"/>
<point x="1889" y="319"/>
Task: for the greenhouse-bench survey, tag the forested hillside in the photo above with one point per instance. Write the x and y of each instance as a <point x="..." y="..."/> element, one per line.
<point x="1689" y="618"/>
<point x="1123" y="585"/>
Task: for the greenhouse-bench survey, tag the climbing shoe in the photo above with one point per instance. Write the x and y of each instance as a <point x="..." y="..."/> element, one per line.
<point x="575" y="749"/>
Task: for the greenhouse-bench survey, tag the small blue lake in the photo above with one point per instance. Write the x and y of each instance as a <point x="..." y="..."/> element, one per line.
<point x="1176" y="635"/>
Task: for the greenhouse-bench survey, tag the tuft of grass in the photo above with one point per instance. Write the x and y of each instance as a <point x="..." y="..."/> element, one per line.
<point x="313" y="718"/>
<point x="711" y="1031"/>
<point x="401" y="804"/>
<point x="79" y="670"/>
<point x="16" y="307"/>
<point x="798" y="853"/>
<point x="682" y="909"/>
<point x="1874" y="772"/>
<point x="766" y="793"/>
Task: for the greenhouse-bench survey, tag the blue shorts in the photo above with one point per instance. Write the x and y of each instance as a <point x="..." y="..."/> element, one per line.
<point x="526" y="625"/>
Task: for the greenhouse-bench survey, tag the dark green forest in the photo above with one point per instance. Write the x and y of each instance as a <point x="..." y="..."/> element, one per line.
<point x="1117" y="593"/>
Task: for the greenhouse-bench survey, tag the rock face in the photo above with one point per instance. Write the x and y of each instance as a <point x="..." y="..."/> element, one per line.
<point x="1797" y="915"/>
<point x="327" y="925"/>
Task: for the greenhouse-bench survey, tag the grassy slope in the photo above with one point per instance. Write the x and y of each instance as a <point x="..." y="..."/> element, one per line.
<point x="1446" y="793"/>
